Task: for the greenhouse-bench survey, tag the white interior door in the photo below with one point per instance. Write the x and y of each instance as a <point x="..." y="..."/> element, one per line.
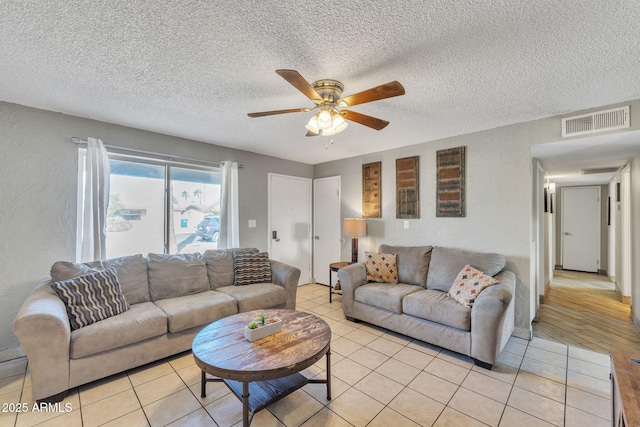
<point x="326" y="226"/>
<point x="581" y="228"/>
<point x="290" y="222"/>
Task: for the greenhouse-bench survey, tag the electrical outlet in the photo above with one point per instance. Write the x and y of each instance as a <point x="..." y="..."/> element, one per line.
<point x="252" y="223"/>
<point x="406" y="225"/>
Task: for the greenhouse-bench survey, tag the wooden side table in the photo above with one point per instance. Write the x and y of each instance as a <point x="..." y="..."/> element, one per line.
<point x="625" y="388"/>
<point x="334" y="267"/>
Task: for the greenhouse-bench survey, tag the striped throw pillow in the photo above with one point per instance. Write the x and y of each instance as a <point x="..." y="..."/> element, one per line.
<point x="251" y="268"/>
<point x="91" y="298"/>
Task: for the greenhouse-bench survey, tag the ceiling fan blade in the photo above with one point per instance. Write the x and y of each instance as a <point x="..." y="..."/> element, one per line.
<point x="294" y="77"/>
<point x="273" y="113"/>
<point x="363" y="119"/>
<point x="387" y="90"/>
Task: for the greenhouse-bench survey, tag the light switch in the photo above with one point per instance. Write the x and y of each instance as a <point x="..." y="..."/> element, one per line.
<point x="252" y="223"/>
<point x="406" y="225"/>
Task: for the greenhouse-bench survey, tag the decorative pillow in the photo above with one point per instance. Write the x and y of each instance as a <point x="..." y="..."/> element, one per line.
<point x="251" y="268"/>
<point x="381" y="267"/>
<point x="91" y="298"/>
<point x="468" y="285"/>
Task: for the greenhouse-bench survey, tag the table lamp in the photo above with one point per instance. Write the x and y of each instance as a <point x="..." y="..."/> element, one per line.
<point x="354" y="228"/>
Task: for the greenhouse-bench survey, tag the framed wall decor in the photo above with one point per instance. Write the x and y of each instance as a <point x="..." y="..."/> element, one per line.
<point x="450" y="182"/>
<point x="371" y="190"/>
<point x="408" y="187"/>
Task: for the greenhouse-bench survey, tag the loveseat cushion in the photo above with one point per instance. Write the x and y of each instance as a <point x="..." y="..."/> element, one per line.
<point x="446" y="263"/>
<point x="412" y="262"/>
<point x="438" y="307"/>
<point x="142" y="321"/>
<point x="176" y="275"/>
<point x="131" y="271"/>
<point x="386" y="296"/>
<point x="220" y="269"/>
<point x="256" y="296"/>
<point x="198" y="309"/>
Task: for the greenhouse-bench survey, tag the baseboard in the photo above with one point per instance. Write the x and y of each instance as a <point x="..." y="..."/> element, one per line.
<point x="622" y="298"/>
<point x="12" y="353"/>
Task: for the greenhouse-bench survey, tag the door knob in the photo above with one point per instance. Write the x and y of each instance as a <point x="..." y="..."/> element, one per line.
<point x="567" y="234"/>
<point x="316" y="237"/>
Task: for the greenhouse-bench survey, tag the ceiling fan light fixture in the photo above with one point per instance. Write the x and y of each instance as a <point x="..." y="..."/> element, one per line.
<point x="312" y="125"/>
<point x="338" y="124"/>
<point x="324" y="120"/>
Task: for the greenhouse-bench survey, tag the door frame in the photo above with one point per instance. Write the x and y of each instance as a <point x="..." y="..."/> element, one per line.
<point x="314" y="234"/>
<point x="599" y="232"/>
<point x="270" y="175"/>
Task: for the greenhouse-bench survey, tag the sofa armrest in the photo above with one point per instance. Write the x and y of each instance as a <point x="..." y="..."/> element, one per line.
<point x="286" y="276"/>
<point x="351" y="277"/>
<point x="42" y="326"/>
<point x="492" y="318"/>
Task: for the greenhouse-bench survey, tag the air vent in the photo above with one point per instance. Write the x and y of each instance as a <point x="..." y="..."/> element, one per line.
<point x="593" y="171"/>
<point x="601" y="121"/>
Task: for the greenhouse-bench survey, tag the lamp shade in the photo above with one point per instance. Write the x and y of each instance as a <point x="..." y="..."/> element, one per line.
<point x="354" y="227"/>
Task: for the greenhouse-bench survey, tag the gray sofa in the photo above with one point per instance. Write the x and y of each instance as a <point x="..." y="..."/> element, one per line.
<point x="418" y="306"/>
<point x="171" y="298"/>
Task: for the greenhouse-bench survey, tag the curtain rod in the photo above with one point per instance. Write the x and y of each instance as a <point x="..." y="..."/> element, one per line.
<point x="80" y="141"/>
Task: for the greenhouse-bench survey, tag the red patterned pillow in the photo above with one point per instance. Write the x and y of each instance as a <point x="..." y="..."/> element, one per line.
<point x="468" y="285"/>
<point x="381" y="267"/>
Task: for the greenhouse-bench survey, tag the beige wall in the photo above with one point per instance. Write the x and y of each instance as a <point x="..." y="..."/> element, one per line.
<point x="38" y="187"/>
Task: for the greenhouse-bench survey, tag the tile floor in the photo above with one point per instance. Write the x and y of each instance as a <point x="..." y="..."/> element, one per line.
<point x="379" y="379"/>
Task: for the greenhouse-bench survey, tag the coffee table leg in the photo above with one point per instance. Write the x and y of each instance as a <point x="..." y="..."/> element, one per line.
<point x="328" y="357"/>
<point x="245" y="403"/>
<point x="203" y="385"/>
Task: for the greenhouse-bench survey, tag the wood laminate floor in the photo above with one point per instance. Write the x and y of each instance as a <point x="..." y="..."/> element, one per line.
<point x="582" y="309"/>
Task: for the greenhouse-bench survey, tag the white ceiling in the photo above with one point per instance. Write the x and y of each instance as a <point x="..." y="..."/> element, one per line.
<point x="196" y="68"/>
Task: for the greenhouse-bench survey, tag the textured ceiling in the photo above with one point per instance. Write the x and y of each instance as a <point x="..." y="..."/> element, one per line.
<point x="196" y="68"/>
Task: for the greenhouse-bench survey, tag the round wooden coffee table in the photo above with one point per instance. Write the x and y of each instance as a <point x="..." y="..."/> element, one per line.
<point x="264" y="371"/>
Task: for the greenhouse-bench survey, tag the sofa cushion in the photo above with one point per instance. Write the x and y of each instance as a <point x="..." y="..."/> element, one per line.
<point x="381" y="267"/>
<point x="220" y="266"/>
<point x="385" y="295"/>
<point x="412" y="261"/>
<point x="446" y="263"/>
<point x="468" y="285"/>
<point x="256" y="296"/>
<point x="250" y="268"/>
<point x="437" y="307"/>
<point x="91" y="298"/>
<point x="176" y="275"/>
<point x="133" y="277"/>
<point x="131" y="271"/>
<point x="142" y="321"/>
<point x="198" y="309"/>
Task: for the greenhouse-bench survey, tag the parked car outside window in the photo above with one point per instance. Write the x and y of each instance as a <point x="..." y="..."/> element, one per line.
<point x="209" y="228"/>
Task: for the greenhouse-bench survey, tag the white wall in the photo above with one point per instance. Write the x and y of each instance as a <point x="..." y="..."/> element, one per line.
<point x="498" y="194"/>
<point x="38" y="174"/>
<point x="635" y="240"/>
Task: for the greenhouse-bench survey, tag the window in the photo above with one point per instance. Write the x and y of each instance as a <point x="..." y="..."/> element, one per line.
<point x="161" y="207"/>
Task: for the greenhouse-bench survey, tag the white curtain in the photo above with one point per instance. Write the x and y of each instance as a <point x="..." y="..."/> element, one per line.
<point x="229" y="217"/>
<point x="95" y="202"/>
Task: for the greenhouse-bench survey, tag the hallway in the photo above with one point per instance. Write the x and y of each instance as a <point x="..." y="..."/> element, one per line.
<point x="581" y="309"/>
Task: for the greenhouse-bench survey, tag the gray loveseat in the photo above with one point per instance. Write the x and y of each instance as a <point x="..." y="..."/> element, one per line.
<point x="419" y="307"/>
<point x="171" y="298"/>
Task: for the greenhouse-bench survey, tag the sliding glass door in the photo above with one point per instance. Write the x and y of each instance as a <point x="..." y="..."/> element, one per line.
<point x="159" y="207"/>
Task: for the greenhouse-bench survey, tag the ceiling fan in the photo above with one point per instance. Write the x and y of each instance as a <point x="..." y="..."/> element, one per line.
<point x="326" y="94"/>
